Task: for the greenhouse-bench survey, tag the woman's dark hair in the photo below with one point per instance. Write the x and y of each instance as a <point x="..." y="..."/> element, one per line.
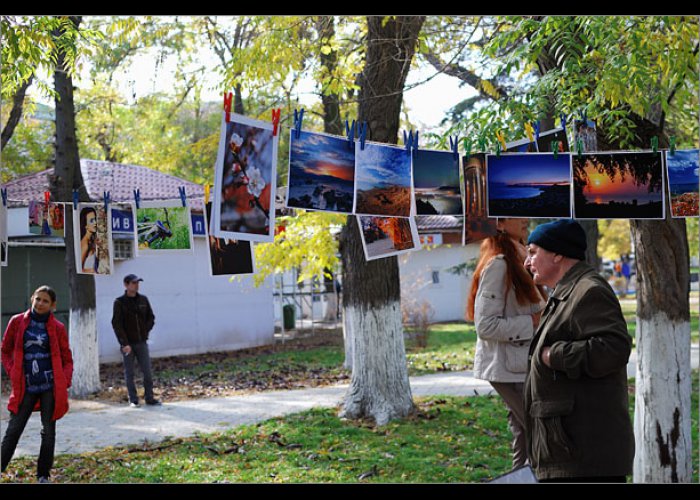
<point x="47" y="290"/>
<point x="83" y="225"/>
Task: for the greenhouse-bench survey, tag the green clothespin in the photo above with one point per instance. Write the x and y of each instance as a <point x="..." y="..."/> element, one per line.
<point x="579" y="148"/>
<point x="467" y="146"/>
<point x="672" y="147"/>
<point x="482" y="145"/>
<point x="555" y="148"/>
<point x="655" y="144"/>
<point x="498" y="149"/>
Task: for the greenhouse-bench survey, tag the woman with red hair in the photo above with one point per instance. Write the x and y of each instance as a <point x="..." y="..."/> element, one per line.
<point x="505" y="305"/>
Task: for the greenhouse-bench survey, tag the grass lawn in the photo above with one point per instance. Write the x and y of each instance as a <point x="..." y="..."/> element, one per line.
<point x="447" y="440"/>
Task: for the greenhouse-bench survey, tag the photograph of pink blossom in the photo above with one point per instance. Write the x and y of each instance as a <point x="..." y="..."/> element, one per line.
<point x="245" y="178"/>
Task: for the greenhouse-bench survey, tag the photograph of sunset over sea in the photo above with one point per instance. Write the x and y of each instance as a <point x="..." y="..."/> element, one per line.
<point x="321" y="172"/>
<point x="618" y="186"/>
<point x="683" y="182"/>
<point x="382" y="180"/>
<point x="533" y="185"/>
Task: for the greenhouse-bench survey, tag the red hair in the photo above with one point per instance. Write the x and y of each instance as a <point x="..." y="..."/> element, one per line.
<point x="516" y="275"/>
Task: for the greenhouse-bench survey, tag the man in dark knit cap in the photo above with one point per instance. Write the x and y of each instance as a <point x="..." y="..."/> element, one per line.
<point x="576" y="401"/>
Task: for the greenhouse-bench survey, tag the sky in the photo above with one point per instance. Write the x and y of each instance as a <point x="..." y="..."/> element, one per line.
<point x="683" y="167"/>
<point x="426" y="103"/>
<point x="320" y="154"/>
<point x="435" y="169"/>
<point x="379" y="165"/>
<point x="529" y="168"/>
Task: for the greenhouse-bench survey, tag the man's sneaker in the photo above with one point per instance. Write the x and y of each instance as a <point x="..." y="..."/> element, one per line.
<point x="153" y="402"/>
<point x="43" y="479"/>
<point x="134" y="405"/>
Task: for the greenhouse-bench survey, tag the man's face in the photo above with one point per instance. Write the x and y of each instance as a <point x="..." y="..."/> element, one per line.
<point x="132" y="286"/>
<point x="543" y="264"/>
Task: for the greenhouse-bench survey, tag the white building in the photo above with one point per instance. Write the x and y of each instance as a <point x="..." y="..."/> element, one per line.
<point x="432" y="274"/>
<point x="195" y="312"/>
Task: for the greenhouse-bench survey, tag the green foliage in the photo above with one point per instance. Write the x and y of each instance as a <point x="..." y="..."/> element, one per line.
<point x="307" y="242"/>
<point x="614" y="238"/>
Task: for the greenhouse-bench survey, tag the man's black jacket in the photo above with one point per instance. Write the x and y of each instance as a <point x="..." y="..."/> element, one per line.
<point x="132" y="319"/>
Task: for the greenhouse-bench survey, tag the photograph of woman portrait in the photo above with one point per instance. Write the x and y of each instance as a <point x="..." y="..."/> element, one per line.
<point x="93" y="234"/>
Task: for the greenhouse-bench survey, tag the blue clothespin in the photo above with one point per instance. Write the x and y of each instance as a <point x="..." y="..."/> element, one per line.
<point x="408" y="140"/>
<point x="453" y="146"/>
<point x="562" y="117"/>
<point x="350" y="133"/>
<point x="583" y="116"/>
<point x="536" y="126"/>
<point x="298" y="118"/>
<point x="363" y="135"/>
<point x="137" y="198"/>
<point x="183" y="195"/>
<point x="415" y="141"/>
<point x="76" y="197"/>
<point x="105" y="195"/>
<point x="3" y="191"/>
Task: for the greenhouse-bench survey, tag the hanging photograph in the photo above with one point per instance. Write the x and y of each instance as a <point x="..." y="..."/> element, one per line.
<point x="533" y="185"/>
<point x="3" y="234"/>
<point x="321" y="172"/>
<point x="477" y="225"/>
<point x="683" y="182"/>
<point x="124" y="235"/>
<point x="586" y="131"/>
<point x="382" y="180"/>
<point x="244" y="183"/>
<point x="545" y="139"/>
<point x="621" y="185"/>
<point x="163" y="226"/>
<point x="92" y="227"/>
<point x="229" y="257"/>
<point x="386" y="236"/>
<point x="436" y="183"/>
<point x="46" y="220"/>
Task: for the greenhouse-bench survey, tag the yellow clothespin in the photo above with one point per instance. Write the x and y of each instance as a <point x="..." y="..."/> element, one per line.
<point x="529" y="131"/>
<point x="501" y="139"/>
<point x="206" y="194"/>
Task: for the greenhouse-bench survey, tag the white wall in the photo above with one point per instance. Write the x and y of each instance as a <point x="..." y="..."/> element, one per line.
<point x="448" y="297"/>
<point x="195" y="312"/>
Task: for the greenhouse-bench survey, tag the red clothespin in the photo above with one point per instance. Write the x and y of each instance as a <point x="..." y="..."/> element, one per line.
<point x="228" y="99"/>
<point x="276" y="114"/>
<point x="47" y="197"/>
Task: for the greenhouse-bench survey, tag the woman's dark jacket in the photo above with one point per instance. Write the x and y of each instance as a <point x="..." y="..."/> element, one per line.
<point x="132" y="319"/>
<point x="578" y="421"/>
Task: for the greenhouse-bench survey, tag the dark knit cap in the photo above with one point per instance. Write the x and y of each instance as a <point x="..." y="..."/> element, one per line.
<point x="565" y="237"/>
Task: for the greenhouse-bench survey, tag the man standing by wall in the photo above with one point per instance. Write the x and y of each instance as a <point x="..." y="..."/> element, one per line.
<point x="132" y="321"/>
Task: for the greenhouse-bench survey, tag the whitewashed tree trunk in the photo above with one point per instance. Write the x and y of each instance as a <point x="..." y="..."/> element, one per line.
<point x="380" y="386"/>
<point x="83" y="343"/>
<point x="662" y="404"/>
<point x="348" y="340"/>
<point x="662" y="424"/>
<point x="67" y="176"/>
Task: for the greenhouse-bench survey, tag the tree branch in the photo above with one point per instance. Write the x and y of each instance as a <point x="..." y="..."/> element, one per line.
<point x="465" y="75"/>
<point x="15" y="112"/>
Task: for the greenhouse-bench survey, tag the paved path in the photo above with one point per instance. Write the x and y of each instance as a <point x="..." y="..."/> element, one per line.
<point x="93" y="425"/>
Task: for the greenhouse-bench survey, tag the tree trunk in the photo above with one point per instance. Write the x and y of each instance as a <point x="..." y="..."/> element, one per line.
<point x="67" y="176"/>
<point x="379" y="388"/>
<point x="590" y="226"/>
<point x="332" y="123"/>
<point x="663" y="380"/>
<point x="662" y="425"/>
